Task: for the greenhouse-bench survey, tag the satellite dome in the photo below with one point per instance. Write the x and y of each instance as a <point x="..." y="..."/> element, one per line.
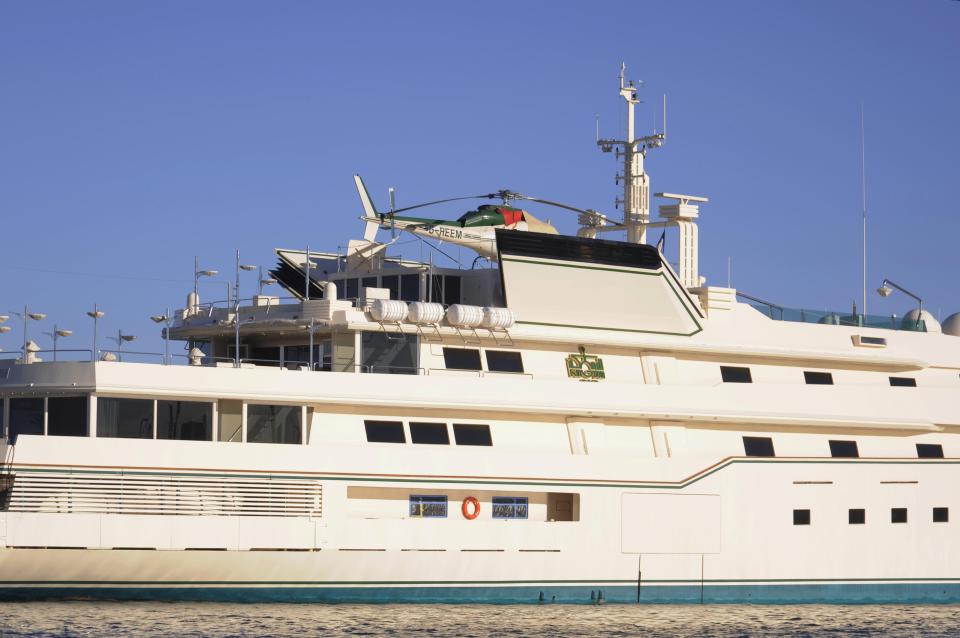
<point x="951" y="325"/>
<point x="910" y="320"/>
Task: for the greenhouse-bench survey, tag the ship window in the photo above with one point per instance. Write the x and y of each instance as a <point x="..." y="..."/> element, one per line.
<point x="510" y="507"/>
<point x="817" y="378"/>
<point x="125" y="418"/>
<point x="503" y="361"/>
<point x="352" y="290"/>
<point x="369" y="282"/>
<point x="461" y="359"/>
<point x="451" y="289"/>
<point x="410" y="287"/>
<point x="381" y="353"/>
<point x="801" y="517"/>
<point x="929" y="451"/>
<point x="273" y="423"/>
<point x="391" y="283"/>
<point x="384" y="431"/>
<point x="898" y="515"/>
<point x="857" y="516"/>
<point x="429" y="433"/>
<point x="941" y="515"/>
<point x="185" y="420"/>
<point x="472" y="434"/>
<point x="758" y="446"/>
<point x="903" y="382"/>
<point x="67" y="416"/>
<point x="428" y="506"/>
<point x="734" y="374"/>
<point x="844" y="449"/>
<point x="26" y="417"/>
<point x="230" y="413"/>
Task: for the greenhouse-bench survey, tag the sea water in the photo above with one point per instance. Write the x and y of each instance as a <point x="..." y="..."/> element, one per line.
<point x="480" y="621"/>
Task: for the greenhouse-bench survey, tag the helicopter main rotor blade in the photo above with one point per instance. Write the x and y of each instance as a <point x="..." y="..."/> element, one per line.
<point x="439" y="201"/>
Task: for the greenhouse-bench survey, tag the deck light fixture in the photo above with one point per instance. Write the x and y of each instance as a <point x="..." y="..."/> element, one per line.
<point x="96" y="314"/>
<point x="165" y="319"/>
<point x="886" y="289"/>
<point x="56" y="334"/>
<point x="25" y="315"/>
<point x="197" y="274"/>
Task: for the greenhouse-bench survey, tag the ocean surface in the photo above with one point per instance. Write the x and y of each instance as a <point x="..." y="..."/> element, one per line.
<point x="480" y="621"/>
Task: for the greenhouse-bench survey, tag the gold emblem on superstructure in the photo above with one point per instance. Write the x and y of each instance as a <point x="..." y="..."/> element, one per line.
<point x="586" y="367"/>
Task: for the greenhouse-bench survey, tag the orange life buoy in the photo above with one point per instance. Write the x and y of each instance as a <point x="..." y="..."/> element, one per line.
<point x="470" y="508"/>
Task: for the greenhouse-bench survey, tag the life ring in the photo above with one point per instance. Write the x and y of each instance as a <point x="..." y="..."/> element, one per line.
<point x="470" y="508"/>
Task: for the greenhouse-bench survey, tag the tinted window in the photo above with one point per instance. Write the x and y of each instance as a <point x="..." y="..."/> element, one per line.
<point x="461" y="359"/>
<point x="510" y="507"/>
<point x="857" y="517"/>
<point x="428" y="506"/>
<point x="381" y="353"/>
<point x="732" y="374"/>
<point x="369" y="282"/>
<point x="430" y="433"/>
<point x="384" y="431"/>
<point x="26" y="417"/>
<point x="451" y="290"/>
<point x="941" y="515"/>
<point x="273" y="423"/>
<point x="391" y="283"/>
<point x="801" y="517"/>
<point x="185" y="420"/>
<point x="758" y="446"/>
<point x="67" y="416"/>
<point x="929" y="451"/>
<point x="818" y="378"/>
<point x="352" y="290"/>
<point x="898" y="515"/>
<point x="502" y="361"/>
<point x="125" y="418"/>
<point x="844" y="449"/>
<point x="903" y="382"/>
<point x="470" y="434"/>
<point x="410" y="287"/>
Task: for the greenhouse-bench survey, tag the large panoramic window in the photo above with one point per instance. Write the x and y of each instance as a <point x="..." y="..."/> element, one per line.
<point x="185" y="420"/>
<point x="428" y="506"/>
<point x="273" y="423"/>
<point x="26" y="417"/>
<point x="381" y="353"/>
<point x="125" y="418"/>
<point x="67" y="416"/>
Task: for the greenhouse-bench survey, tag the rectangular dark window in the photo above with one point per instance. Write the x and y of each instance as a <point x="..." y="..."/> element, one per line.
<point x="801" y="517"/>
<point x="941" y="515"/>
<point x="185" y="420"/>
<point x="857" y="517"/>
<point x="503" y="361"/>
<point x="818" y="378"/>
<point x="903" y="382"/>
<point x="125" y="418"/>
<point x="898" y="515"/>
<point x="391" y="283"/>
<point x="844" y="449"/>
<point x="352" y="290"/>
<point x="384" y="431"/>
<point x="510" y="507"/>
<point x="758" y="446"/>
<point x="929" y="451"/>
<point x="67" y="416"/>
<point x="461" y="359"/>
<point x="451" y="290"/>
<point x="472" y="434"/>
<point x="26" y="417"/>
<point x="273" y="423"/>
<point x="410" y="287"/>
<point x="428" y="506"/>
<point x="369" y="282"/>
<point x="429" y="433"/>
<point x="733" y="374"/>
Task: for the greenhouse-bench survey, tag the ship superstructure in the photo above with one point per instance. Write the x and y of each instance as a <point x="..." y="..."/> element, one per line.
<point x="572" y="419"/>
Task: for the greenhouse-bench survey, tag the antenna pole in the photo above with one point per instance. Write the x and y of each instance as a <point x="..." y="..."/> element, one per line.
<point x="863" y="196"/>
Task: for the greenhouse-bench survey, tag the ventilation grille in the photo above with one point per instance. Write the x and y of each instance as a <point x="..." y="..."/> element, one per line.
<point x="172" y="495"/>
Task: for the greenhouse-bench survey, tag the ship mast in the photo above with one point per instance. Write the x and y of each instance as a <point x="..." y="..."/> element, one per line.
<point x="633" y="150"/>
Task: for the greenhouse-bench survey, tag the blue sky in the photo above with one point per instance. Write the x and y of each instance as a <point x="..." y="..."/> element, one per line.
<point x="134" y="135"/>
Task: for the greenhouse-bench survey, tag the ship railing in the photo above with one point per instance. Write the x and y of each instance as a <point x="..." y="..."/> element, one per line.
<point x="72" y="354"/>
<point x="833" y="318"/>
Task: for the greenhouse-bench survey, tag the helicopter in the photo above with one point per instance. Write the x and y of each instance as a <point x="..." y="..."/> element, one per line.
<point x="475" y="229"/>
